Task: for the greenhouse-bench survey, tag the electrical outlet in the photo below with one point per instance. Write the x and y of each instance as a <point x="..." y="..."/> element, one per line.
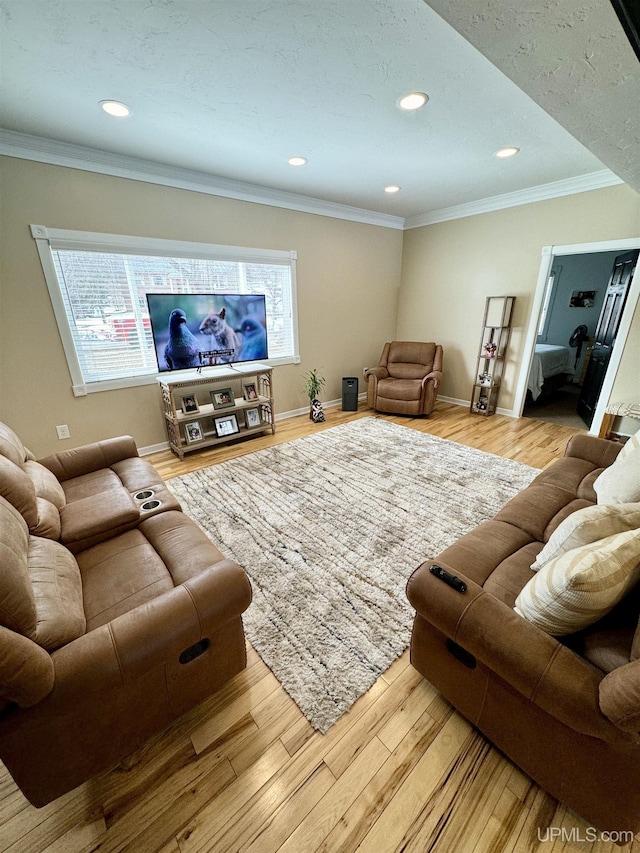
<point x="63" y="431"/>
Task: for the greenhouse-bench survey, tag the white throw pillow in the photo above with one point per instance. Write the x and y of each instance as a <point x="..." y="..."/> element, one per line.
<point x="586" y="526"/>
<point x="577" y="588"/>
<point x="620" y="482"/>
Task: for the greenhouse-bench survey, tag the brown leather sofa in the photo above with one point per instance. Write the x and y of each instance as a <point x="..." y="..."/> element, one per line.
<point x="117" y="614"/>
<point x="566" y="710"/>
<point x="406" y="380"/>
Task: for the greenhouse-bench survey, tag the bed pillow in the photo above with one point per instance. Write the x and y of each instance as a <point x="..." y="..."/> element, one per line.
<point x="588" y="525"/>
<point x="620" y="482"/>
<point x="576" y="589"/>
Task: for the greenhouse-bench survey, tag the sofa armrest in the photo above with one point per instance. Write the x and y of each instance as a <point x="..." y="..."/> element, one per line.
<point x="620" y="696"/>
<point x="599" y="451"/>
<point x="373" y="375"/>
<point x="26" y="670"/>
<point x="535" y="664"/>
<point x="90" y="457"/>
<point x="435" y="376"/>
<point x="150" y="635"/>
<point x="376" y="372"/>
<point x="180" y="617"/>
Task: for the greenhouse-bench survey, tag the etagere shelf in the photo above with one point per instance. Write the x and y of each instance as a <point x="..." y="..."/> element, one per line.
<point x="496" y="329"/>
<point x="224" y="404"/>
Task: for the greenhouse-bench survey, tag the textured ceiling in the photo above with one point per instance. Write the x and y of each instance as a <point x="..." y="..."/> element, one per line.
<point x="232" y="89"/>
<point x="571" y="58"/>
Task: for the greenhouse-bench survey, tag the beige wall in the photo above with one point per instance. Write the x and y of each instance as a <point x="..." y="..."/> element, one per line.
<point x="448" y="270"/>
<point x="348" y="277"/>
<point x="358" y="286"/>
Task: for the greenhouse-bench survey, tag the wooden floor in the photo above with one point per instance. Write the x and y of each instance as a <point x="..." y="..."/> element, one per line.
<point x="401" y="771"/>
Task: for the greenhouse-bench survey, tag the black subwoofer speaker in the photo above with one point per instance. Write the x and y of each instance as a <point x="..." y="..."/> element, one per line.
<point x="350" y="394"/>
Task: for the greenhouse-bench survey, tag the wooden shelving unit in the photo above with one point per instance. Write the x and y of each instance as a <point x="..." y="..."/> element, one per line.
<point x="496" y="329"/>
<point x="210" y="424"/>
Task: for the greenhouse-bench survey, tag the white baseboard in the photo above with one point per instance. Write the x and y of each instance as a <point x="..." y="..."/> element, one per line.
<point x="510" y="413"/>
<point x="330" y="404"/>
<point x="454" y="401"/>
<point x="153" y="448"/>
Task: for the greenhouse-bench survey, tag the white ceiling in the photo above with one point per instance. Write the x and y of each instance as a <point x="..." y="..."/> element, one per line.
<point x="233" y="88"/>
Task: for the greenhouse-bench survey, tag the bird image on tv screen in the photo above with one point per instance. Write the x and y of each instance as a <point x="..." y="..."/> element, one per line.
<point x="201" y="329"/>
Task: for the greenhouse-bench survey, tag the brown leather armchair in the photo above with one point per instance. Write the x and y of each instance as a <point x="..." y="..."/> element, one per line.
<point x="406" y="380"/>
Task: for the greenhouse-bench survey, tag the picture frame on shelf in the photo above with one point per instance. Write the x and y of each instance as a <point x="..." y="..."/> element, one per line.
<point x="189" y="404"/>
<point x="252" y="418"/>
<point x="227" y="425"/>
<point x="222" y="398"/>
<point x="250" y="391"/>
<point x="193" y="432"/>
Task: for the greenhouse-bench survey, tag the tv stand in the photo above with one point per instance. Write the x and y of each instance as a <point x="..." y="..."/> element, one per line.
<point x="227" y="420"/>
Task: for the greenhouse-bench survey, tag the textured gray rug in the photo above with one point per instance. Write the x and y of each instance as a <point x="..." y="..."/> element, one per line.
<point x="329" y="528"/>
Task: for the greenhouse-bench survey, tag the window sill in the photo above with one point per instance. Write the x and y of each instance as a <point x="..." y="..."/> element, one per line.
<point x="152" y="378"/>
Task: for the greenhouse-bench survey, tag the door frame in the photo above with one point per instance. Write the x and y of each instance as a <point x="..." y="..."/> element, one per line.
<point x="549" y="254"/>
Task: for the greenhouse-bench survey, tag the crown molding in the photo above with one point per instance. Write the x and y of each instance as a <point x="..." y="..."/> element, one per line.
<point x="42" y="150"/>
<point x="556" y="189"/>
<point x="53" y="152"/>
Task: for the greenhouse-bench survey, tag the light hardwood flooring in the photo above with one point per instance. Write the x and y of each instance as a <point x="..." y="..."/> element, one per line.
<point x="401" y="771"/>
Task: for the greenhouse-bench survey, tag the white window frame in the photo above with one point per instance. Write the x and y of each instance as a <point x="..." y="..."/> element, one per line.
<point x="51" y="239"/>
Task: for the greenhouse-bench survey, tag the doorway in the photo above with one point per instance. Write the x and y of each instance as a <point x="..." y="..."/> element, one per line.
<point x="568" y="303"/>
<point x="574" y="298"/>
<point x="615" y="297"/>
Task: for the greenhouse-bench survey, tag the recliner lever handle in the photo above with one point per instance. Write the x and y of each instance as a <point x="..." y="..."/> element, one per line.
<point x="195" y="650"/>
<point x="461" y="654"/>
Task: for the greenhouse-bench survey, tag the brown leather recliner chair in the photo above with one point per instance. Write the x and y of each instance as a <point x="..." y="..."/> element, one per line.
<point x="406" y="380"/>
<point x="117" y="613"/>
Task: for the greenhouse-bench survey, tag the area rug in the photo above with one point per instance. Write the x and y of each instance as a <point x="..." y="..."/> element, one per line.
<point x="329" y="527"/>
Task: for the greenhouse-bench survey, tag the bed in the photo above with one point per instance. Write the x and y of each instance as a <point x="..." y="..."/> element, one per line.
<point x="549" y="361"/>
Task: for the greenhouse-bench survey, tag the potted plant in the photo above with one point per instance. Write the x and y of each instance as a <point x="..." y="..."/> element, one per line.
<point x="313" y="385"/>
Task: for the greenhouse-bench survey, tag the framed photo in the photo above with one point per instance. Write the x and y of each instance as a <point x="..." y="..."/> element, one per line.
<point x="193" y="432"/>
<point x="222" y="398"/>
<point x="190" y="404"/>
<point x="228" y="425"/>
<point x="250" y="392"/>
<point x="252" y="417"/>
<point x="582" y="299"/>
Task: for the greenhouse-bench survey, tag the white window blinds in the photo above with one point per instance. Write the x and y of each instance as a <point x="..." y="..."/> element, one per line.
<point x="99" y="288"/>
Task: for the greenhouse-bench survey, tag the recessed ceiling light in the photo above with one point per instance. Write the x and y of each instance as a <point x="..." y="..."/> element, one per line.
<point x="506" y="152"/>
<point x="115" y="108"/>
<point x="297" y="161"/>
<point x="392" y="188"/>
<point x="413" y="101"/>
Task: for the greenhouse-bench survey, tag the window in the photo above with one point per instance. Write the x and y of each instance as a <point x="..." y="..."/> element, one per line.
<point x="98" y="285"/>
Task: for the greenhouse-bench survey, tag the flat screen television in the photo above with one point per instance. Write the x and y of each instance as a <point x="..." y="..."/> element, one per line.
<point x="200" y="329"/>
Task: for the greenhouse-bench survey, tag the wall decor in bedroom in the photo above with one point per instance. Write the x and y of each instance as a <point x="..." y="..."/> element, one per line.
<point x="582" y="299"/>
